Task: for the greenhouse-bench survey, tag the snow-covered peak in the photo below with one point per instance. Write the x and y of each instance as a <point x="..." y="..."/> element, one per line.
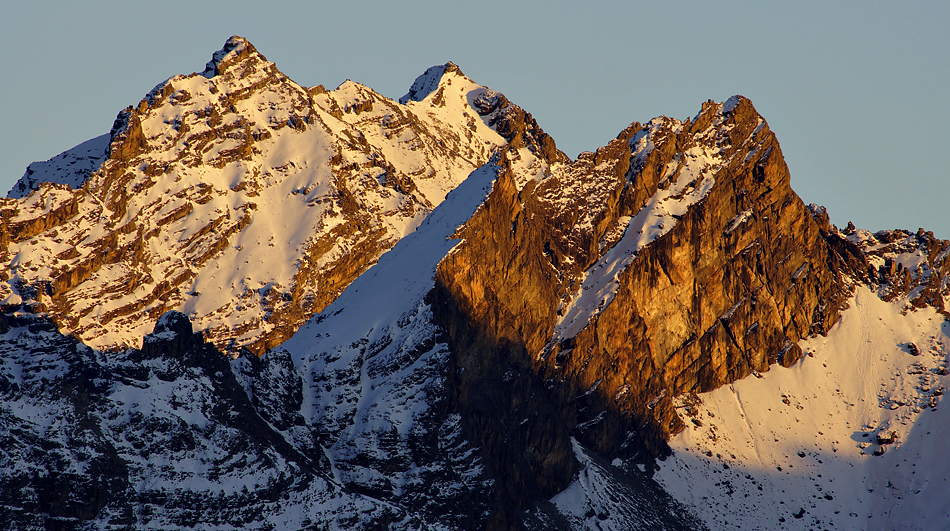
<point x="71" y="167"/>
<point x="240" y="198"/>
<point x="429" y="82"/>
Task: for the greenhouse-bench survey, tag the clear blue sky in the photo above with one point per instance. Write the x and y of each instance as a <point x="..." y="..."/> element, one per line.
<point x="857" y="91"/>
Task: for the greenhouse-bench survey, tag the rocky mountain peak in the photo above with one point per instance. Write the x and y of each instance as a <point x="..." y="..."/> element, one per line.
<point x="671" y="261"/>
<point x="239" y="181"/>
<point x="236" y="51"/>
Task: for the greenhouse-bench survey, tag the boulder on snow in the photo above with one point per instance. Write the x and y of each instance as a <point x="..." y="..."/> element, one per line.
<point x="886" y="437"/>
<point x="790" y="355"/>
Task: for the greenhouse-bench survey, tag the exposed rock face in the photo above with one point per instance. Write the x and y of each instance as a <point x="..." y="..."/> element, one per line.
<point x="237" y="197"/>
<point x="674" y="260"/>
<point x="518" y="127"/>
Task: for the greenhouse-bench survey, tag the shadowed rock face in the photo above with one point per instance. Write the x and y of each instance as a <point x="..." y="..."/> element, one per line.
<point x="163" y="437"/>
<point x="743" y="273"/>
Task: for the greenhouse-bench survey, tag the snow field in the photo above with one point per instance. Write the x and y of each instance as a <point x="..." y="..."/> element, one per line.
<point x="801" y="448"/>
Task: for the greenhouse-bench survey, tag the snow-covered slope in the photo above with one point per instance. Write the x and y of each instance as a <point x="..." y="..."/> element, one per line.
<point x="853" y="436"/>
<point x="238" y="197"/>
<point x="374" y="368"/>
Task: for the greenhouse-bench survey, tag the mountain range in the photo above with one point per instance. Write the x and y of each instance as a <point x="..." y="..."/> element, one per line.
<point x="256" y="305"/>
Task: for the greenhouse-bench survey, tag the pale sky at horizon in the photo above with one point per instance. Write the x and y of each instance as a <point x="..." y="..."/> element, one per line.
<point x="857" y="92"/>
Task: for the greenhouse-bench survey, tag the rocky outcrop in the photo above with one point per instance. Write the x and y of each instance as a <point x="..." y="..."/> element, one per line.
<point x="909" y="266"/>
<point x="516" y="126"/>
